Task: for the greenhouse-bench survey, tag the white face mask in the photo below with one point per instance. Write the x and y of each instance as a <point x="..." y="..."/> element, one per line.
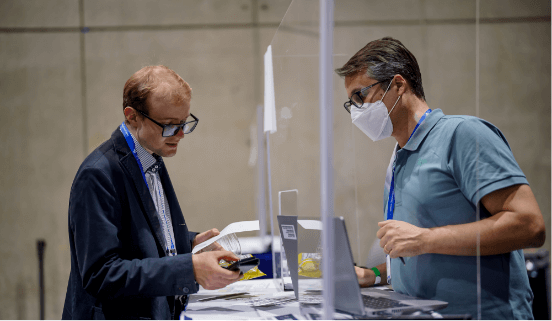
<point x="373" y="119"/>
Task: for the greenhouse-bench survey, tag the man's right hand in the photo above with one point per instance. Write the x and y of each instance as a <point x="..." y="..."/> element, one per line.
<point x="209" y="274"/>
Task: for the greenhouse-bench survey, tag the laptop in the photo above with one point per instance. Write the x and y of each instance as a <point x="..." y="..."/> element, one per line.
<point x="287" y="201"/>
<point x="348" y="297"/>
<point x="288" y="234"/>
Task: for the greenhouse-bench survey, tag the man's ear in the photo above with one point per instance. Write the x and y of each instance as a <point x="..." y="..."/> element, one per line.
<point x="130" y="115"/>
<point x="401" y="84"/>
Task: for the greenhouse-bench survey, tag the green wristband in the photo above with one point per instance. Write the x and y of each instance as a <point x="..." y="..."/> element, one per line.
<point x="378" y="275"/>
<point x="375" y="269"/>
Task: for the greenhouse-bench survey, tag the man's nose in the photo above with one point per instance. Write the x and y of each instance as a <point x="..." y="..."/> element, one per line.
<point x="180" y="132"/>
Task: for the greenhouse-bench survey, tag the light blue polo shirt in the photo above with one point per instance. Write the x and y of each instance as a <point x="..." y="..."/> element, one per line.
<point x="443" y="171"/>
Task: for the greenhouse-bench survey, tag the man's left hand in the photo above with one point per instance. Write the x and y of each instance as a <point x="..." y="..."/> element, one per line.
<point x="202" y="237"/>
<point x="401" y="239"/>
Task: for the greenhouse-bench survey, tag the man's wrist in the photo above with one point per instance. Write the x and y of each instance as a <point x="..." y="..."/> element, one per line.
<point x="427" y="241"/>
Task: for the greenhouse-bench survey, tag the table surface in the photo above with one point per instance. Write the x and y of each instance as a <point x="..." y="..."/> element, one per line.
<point x="241" y="307"/>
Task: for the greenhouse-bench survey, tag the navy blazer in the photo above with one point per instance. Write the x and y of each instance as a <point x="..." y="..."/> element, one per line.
<point x="119" y="269"/>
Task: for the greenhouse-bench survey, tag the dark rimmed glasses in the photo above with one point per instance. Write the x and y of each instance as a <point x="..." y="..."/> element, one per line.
<point x="357" y="98"/>
<point x="171" y="130"/>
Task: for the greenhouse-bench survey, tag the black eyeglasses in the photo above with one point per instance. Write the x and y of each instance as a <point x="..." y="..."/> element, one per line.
<point x="171" y="130"/>
<point x="357" y="98"/>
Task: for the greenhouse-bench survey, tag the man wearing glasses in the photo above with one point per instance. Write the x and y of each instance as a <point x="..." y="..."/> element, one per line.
<point x="453" y="192"/>
<point x="130" y="246"/>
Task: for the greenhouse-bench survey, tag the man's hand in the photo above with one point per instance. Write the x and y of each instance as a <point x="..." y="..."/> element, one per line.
<point x="401" y="239"/>
<point x="515" y="223"/>
<point x="367" y="277"/>
<point x="209" y="274"/>
<point x="202" y="237"/>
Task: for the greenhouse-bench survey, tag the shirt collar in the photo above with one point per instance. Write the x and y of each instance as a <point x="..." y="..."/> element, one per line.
<point x="424" y="129"/>
<point x="148" y="160"/>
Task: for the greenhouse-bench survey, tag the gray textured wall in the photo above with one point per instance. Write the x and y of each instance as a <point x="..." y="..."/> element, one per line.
<point x="60" y="97"/>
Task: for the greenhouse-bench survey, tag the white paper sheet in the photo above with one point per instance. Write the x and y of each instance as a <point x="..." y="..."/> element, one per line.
<point x="235" y="227"/>
<point x="226" y="317"/>
<point x="251" y="286"/>
<point x="242" y="307"/>
<point x="310" y="224"/>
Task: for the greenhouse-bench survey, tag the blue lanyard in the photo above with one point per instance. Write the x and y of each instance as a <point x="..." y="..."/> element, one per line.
<point x="132" y="146"/>
<point x="162" y="200"/>
<point x="391" y="199"/>
<point x="130" y="143"/>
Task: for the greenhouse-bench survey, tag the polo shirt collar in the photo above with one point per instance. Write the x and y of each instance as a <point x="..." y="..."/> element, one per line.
<point x="424" y="129"/>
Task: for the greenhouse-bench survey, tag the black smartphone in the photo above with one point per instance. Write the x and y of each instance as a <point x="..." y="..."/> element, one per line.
<point x="244" y="265"/>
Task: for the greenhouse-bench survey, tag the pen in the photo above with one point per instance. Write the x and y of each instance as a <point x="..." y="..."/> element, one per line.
<point x="400" y="257"/>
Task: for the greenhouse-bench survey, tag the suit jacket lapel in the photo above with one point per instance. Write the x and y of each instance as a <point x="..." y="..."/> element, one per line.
<point x="129" y="163"/>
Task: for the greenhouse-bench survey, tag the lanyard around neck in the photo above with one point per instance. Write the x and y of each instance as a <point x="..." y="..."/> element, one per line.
<point x="132" y="146"/>
<point x="128" y="137"/>
<point x="391" y="199"/>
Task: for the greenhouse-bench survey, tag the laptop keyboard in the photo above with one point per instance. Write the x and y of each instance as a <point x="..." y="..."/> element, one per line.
<point x="381" y="303"/>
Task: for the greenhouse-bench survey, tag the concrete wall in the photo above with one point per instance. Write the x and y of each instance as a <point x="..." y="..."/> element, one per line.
<point x="61" y="93"/>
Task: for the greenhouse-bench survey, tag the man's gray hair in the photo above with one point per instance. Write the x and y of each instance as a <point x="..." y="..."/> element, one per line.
<point x="382" y="59"/>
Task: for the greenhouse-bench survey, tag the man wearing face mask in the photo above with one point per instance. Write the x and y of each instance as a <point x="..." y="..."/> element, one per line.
<point x="444" y="173"/>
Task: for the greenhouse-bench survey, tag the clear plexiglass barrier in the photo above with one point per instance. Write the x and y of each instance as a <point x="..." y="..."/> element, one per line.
<point x="485" y="59"/>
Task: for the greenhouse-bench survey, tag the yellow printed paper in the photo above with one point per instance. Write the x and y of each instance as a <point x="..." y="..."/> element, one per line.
<point x="309" y="265"/>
